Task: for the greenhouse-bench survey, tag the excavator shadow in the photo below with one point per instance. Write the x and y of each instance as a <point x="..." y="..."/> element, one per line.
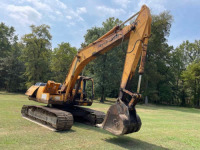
<point x="63" y="132"/>
<point x="131" y="143"/>
<point x="122" y="141"/>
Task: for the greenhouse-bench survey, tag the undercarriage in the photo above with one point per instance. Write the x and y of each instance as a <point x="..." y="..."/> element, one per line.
<point x="62" y="118"/>
<point x="119" y="120"/>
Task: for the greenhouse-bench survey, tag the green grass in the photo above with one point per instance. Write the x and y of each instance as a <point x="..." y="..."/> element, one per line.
<point x="163" y="128"/>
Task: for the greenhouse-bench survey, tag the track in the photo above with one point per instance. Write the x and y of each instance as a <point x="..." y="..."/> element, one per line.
<point x="61" y="118"/>
<point x="51" y="117"/>
<point x="86" y="115"/>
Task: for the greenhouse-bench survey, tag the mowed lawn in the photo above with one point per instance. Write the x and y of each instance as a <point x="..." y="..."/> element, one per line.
<point x="163" y="128"/>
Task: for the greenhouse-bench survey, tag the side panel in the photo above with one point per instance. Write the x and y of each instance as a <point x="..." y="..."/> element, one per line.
<point x="31" y="90"/>
<point x="41" y="95"/>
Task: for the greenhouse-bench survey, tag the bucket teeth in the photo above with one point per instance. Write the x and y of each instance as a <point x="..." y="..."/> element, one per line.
<point x="120" y="120"/>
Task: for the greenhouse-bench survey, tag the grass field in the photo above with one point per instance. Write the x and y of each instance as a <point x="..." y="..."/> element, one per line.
<point x="163" y="128"/>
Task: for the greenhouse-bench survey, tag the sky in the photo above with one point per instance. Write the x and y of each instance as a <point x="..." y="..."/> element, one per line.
<point x="70" y="19"/>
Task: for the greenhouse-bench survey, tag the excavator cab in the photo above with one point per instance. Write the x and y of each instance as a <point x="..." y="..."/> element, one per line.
<point x="83" y="91"/>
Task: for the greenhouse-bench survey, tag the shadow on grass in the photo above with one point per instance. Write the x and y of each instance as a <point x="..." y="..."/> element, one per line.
<point x="131" y="143"/>
<point x="68" y="131"/>
<point x="122" y="141"/>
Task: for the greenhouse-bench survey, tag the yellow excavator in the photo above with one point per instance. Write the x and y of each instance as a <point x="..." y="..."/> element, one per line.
<point x="65" y="101"/>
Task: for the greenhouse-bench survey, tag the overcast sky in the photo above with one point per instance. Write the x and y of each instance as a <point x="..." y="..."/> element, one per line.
<point x="70" y="19"/>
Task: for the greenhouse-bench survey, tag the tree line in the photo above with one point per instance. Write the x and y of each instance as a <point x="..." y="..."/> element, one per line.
<point x="172" y="75"/>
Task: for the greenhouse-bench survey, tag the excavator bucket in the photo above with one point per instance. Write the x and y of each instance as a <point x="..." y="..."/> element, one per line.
<point x="120" y="120"/>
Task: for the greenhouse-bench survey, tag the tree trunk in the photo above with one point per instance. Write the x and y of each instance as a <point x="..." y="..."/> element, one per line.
<point x="146" y="100"/>
<point x="183" y="96"/>
<point x="103" y="80"/>
<point x="198" y="94"/>
<point x="195" y="93"/>
<point x="146" y="92"/>
<point x="102" y="95"/>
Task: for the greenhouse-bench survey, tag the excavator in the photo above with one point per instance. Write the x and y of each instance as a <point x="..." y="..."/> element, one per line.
<point x="64" y="102"/>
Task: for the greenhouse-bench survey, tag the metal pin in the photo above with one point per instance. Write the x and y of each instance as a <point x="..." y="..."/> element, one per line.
<point x="139" y="83"/>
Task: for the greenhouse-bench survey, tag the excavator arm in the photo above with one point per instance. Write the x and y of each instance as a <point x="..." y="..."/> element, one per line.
<point x="137" y="33"/>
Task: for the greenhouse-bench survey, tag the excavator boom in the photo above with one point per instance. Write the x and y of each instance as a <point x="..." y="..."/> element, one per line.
<point x="137" y="33"/>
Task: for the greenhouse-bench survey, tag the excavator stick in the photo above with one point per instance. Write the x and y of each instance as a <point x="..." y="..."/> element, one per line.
<point x="120" y="120"/>
<point x="121" y="117"/>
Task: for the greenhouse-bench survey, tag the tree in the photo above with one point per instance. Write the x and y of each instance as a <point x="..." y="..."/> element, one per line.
<point x="184" y="55"/>
<point x="11" y="68"/>
<point x="37" y="54"/>
<point x="191" y="76"/>
<point x="106" y="81"/>
<point x="178" y="65"/>
<point x="15" y="81"/>
<point x="191" y="51"/>
<point x="7" y="38"/>
<point x="61" y="60"/>
<point x="158" y="77"/>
